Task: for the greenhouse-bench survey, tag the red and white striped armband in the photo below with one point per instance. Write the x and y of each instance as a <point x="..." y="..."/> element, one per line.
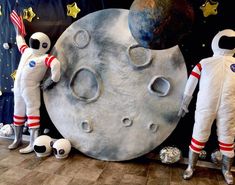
<point x="48" y="60"/>
<point x="196" y="72"/>
<point x="22" y="48"/>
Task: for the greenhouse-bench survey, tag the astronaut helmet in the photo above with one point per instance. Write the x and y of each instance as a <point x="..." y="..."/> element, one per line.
<point x="43" y="146"/>
<point x="40" y="43"/>
<point x="61" y="148"/>
<point x="224" y="42"/>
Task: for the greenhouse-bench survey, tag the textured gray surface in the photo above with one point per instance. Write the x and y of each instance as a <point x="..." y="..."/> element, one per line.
<point x="115" y="101"/>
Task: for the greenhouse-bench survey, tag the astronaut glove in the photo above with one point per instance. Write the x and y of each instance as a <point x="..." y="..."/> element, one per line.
<point x="55" y="70"/>
<point x="184" y="105"/>
<point x="47" y="84"/>
<point x="55" y="77"/>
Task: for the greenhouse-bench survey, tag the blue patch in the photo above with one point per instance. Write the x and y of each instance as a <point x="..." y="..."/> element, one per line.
<point x="232" y="67"/>
<point x="32" y="63"/>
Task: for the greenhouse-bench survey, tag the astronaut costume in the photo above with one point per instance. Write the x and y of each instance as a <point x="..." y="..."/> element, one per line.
<point x="33" y="65"/>
<point x="215" y="101"/>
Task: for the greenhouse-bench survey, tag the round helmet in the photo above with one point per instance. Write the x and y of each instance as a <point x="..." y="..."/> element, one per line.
<point x="42" y="146"/>
<point x="61" y="148"/>
<point x="40" y="43"/>
<point x="215" y="45"/>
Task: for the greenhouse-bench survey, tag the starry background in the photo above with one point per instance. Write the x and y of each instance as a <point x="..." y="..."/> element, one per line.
<point x="51" y="18"/>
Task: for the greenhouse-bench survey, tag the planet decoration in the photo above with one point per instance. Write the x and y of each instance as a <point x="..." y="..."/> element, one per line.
<point x="116" y="100"/>
<point x="160" y="24"/>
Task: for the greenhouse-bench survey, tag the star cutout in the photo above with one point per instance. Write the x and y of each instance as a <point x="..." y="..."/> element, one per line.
<point x="0" y="10"/>
<point x="73" y="10"/>
<point x="209" y="8"/>
<point x="13" y="75"/>
<point x="28" y="14"/>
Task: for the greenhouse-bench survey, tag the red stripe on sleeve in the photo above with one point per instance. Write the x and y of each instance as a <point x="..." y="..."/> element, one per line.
<point x="46" y="60"/>
<point x="18" y="123"/>
<point x="225" y="144"/>
<point x="226" y="149"/>
<point x="199" y="66"/>
<point x="198" y="142"/>
<point x="195" y="75"/>
<point x="50" y="60"/>
<point x="19" y="117"/>
<point x="195" y="149"/>
<point x="34" y="124"/>
<point x="22" y="48"/>
<point x="34" y="117"/>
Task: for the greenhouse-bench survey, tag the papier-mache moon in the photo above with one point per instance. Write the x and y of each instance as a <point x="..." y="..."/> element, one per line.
<point x="115" y="100"/>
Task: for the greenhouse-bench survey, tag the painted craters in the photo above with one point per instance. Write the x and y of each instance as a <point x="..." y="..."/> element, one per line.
<point x="116" y="100"/>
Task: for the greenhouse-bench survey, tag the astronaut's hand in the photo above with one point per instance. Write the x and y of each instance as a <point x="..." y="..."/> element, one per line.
<point x="47" y="84"/>
<point x="184" y="106"/>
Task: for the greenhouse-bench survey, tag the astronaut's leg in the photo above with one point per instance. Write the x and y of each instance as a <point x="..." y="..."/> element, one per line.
<point x="192" y="161"/>
<point x="225" y="132"/>
<point x="32" y="99"/>
<point x="34" y="132"/>
<point x="19" y="120"/>
<point x="227" y="150"/>
<point x="227" y="163"/>
<point x="201" y="133"/>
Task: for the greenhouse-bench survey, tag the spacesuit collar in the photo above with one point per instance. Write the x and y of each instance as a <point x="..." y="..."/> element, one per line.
<point x="224" y="52"/>
<point x="37" y="53"/>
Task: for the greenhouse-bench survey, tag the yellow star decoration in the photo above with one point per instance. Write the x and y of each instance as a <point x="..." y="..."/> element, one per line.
<point x="13" y="75"/>
<point x="73" y="10"/>
<point x="28" y="14"/>
<point x="209" y="8"/>
<point x="0" y="10"/>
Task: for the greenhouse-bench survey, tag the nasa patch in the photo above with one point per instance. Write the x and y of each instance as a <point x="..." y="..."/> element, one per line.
<point x="32" y="63"/>
<point x="232" y="67"/>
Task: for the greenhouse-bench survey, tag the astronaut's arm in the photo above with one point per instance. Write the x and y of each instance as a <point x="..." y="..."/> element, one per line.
<point x="193" y="80"/>
<point x="21" y="44"/>
<point x="189" y="89"/>
<point x="55" y="70"/>
<point x="54" y="65"/>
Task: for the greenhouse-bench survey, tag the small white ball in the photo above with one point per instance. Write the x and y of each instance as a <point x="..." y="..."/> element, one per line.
<point x="6" y="46"/>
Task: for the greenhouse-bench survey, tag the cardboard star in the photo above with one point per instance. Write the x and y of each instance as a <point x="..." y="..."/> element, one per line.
<point x="209" y="8"/>
<point x="73" y="10"/>
<point x="28" y="14"/>
<point x="13" y="75"/>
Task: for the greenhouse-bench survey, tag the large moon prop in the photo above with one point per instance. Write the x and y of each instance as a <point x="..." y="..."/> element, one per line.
<point x="116" y="100"/>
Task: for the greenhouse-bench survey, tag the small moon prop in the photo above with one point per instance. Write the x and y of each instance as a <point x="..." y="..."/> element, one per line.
<point x="160" y="24"/>
<point x="116" y="100"/>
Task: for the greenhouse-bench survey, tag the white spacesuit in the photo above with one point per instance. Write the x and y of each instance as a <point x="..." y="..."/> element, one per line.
<point x="33" y="65"/>
<point x="215" y="101"/>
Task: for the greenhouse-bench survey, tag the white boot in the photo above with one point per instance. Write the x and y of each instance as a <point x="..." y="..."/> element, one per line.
<point x="192" y="161"/>
<point x="226" y="169"/>
<point x="34" y="132"/>
<point x="18" y="137"/>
